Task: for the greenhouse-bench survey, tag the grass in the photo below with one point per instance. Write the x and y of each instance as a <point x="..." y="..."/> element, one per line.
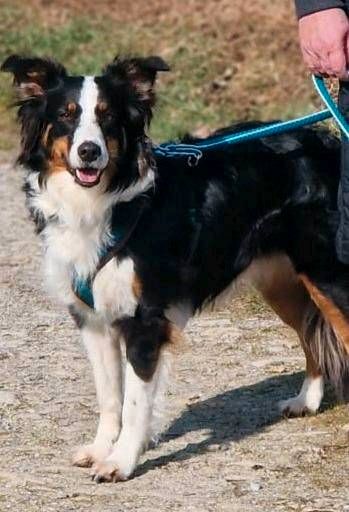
<point x="206" y="87"/>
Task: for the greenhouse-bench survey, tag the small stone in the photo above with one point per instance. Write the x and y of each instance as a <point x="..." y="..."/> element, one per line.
<point x="255" y="486"/>
<point x="228" y="73"/>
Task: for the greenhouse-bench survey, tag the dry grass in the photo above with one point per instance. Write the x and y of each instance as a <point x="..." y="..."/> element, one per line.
<point x="250" y="48"/>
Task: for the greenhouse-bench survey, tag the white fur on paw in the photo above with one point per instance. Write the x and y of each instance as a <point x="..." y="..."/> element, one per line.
<point x="89" y="454"/>
<point x="107" y="471"/>
<point x="307" y="401"/>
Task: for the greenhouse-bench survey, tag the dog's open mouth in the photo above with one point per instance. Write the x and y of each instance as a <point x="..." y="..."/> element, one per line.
<point x="87" y="177"/>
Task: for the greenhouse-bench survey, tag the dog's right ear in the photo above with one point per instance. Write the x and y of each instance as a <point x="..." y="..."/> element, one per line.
<point x="33" y="76"/>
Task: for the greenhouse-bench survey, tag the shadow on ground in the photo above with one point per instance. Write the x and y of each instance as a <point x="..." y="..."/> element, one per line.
<point x="229" y="416"/>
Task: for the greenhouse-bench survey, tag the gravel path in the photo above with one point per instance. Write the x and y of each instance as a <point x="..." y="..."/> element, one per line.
<point x="226" y="447"/>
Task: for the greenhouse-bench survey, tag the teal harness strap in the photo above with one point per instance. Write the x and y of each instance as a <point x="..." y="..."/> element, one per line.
<point x="82" y="287"/>
<point x="194" y="152"/>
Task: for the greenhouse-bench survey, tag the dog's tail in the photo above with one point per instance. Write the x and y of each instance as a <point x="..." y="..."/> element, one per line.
<point x="327" y="349"/>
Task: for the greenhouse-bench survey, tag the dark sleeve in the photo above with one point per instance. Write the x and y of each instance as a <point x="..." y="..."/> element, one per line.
<point x="304" y="7"/>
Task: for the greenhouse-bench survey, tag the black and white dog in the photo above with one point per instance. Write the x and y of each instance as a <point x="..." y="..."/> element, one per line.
<point x="136" y="245"/>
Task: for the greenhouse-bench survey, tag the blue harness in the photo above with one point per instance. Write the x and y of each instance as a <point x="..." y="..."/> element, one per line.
<point x="194" y="152"/>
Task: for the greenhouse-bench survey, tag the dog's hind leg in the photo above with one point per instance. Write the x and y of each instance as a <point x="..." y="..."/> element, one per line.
<point x="147" y="341"/>
<point x="281" y="288"/>
<point x="103" y="348"/>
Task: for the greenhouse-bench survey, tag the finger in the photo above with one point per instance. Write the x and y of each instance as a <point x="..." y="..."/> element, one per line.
<point x="336" y="64"/>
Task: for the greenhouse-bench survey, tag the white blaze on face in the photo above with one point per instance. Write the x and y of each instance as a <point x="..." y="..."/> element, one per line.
<point x="88" y="129"/>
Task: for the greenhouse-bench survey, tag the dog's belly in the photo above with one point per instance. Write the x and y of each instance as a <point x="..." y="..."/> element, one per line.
<point x="116" y="290"/>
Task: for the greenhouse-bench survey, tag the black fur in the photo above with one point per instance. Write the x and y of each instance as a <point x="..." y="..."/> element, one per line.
<point x="144" y="335"/>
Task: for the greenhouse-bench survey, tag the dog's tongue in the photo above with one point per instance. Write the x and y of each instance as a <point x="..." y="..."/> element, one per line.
<point x="87" y="175"/>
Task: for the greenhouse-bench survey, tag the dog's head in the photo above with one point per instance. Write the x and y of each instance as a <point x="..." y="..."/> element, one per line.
<point x="92" y="127"/>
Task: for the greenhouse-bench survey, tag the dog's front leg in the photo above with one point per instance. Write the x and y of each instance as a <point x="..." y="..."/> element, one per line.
<point x="146" y="359"/>
<point x="103" y="348"/>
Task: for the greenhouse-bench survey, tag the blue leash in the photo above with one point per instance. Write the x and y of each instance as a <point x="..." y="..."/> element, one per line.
<point x="194" y="152"/>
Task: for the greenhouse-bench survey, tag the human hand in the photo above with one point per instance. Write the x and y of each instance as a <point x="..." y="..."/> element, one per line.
<point x="324" y="39"/>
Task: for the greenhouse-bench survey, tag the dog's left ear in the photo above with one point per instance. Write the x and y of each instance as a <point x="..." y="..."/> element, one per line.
<point x="141" y="73"/>
<point x="33" y="76"/>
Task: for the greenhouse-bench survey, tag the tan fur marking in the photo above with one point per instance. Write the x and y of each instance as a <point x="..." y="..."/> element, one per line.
<point x="102" y="107"/>
<point x="137" y="286"/>
<point x="279" y="284"/>
<point x="285" y="293"/>
<point x="113" y="151"/>
<point x="330" y="311"/>
<point x="71" y="107"/>
<point x="59" y="155"/>
<point x="113" y="147"/>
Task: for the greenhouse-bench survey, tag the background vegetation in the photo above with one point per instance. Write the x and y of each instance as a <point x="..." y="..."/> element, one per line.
<point x="230" y="59"/>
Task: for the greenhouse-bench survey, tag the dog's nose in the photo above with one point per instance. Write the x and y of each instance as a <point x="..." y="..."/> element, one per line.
<point x="89" y="151"/>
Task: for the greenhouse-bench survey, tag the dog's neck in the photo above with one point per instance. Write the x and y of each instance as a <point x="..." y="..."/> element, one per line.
<point x="78" y="207"/>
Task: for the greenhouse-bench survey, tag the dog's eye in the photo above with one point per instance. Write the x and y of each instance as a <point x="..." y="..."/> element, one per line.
<point x="67" y="113"/>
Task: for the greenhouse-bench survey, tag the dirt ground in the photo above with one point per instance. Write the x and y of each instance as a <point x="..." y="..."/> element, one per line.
<point x="226" y="447"/>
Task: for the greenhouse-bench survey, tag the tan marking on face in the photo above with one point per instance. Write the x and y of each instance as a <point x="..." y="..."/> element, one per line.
<point x="113" y="147"/>
<point x="330" y="311"/>
<point x="71" y="107"/>
<point x="59" y="155"/>
<point x="113" y="151"/>
<point x="102" y="107"/>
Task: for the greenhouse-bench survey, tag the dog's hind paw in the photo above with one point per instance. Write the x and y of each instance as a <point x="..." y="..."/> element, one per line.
<point x="294" y="407"/>
<point x="89" y="454"/>
<point x="307" y="401"/>
<point x="107" y="472"/>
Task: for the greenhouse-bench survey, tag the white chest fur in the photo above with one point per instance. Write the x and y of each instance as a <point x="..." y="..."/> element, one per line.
<point x="114" y="289"/>
<point x="75" y="239"/>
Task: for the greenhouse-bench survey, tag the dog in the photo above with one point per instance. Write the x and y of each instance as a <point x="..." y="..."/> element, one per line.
<point x="136" y="243"/>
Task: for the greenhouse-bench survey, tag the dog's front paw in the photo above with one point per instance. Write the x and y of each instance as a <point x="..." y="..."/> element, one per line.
<point x="107" y="471"/>
<point x="89" y="454"/>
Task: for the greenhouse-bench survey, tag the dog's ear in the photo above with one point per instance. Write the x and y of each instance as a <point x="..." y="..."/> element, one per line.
<point x="33" y="76"/>
<point x="141" y="73"/>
